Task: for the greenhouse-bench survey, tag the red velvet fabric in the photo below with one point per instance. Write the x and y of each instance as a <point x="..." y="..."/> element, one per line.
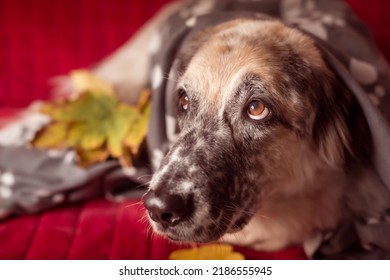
<point x="43" y="38"/>
<point x="96" y="230"/>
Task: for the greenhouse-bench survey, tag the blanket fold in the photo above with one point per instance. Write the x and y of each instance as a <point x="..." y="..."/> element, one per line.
<point x="35" y="180"/>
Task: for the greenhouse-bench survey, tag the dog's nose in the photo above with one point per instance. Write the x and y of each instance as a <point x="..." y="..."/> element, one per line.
<point x="166" y="209"/>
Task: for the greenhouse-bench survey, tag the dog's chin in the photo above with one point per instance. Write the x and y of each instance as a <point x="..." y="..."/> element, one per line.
<point x="183" y="234"/>
<point x="179" y="236"/>
<point x="189" y="239"/>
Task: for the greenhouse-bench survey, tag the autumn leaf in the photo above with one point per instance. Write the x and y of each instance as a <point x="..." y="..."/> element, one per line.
<point x="89" y="157"/>
<point x="117" y="128"/>
<point x="207" y="252"/>
<point x="144" y="99"/>
<point x="52" y="136"/>
<point x="84" y="80"/>
<point x="91" y="140"/>
<point x="96" y="125"/>
<point x="138" y="131"/>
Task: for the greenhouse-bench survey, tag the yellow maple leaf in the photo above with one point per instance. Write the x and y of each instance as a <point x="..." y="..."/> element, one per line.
<point x="207" y="252"/>
<point x="88" y="157"/>
<point x="83" y="80"/>
<point x="144" y="99"/>
<point x="118" y="126"/>
<point x="138" y="131"/>
<point x="51" y="136"/>
<point x="95" y="124"/>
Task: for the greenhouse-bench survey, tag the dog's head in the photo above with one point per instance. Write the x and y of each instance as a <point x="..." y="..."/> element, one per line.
<point x="258" y="115"/>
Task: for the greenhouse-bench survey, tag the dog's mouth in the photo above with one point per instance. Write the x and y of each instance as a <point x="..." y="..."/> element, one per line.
<point x="180" y="234"/>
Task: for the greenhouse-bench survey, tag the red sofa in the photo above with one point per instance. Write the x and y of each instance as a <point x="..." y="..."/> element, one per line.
<point x="44" y="38"/>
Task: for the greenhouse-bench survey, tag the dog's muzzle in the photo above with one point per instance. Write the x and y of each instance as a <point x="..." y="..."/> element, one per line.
<point x="199" y="193"/>
<point x="168" y="210"/>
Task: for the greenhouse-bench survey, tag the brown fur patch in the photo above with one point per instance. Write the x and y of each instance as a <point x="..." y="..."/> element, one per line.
<point x="230" y="51"/>
<point x="281" y="174"/>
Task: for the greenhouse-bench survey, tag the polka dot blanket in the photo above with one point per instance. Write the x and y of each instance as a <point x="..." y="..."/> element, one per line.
<point x="32" y="180"/>
<point x="348" y="48"/>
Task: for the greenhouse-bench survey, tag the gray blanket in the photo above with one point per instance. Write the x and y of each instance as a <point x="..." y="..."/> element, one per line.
<point x="35" y="180"/>
<point x="348" y="48"/>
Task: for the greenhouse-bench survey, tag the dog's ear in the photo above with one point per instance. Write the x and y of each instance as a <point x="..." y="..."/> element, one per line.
<point x="330" y="100"/>
<point x="330" y="130"/>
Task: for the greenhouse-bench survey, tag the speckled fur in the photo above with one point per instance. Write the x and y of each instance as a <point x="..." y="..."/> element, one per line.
<point x="265" y="184"/>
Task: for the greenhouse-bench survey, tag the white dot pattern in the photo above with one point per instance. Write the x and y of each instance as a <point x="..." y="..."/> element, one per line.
<point x="5" y="192"/>
<point x="363" y="72"/>
<point x="157" y="77"/>
<point x="7" y="178"/>
<point x="191" y="21"/>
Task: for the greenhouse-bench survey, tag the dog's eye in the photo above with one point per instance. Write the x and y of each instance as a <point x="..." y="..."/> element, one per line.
<point x="257" y="110"/>
<point x="183" y="100"/>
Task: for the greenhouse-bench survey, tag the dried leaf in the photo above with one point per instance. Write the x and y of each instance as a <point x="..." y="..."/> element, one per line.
<point x="92" y="140"/>
<point x="207" y="252"/>
<point x="51" y="136"/>
<point x="138" y="131"/>
<point x="96" y="124"/>
<point x="89" y="157"/>
<point x="84" y="80"/>
<point x="144" y="99"/>
<point x="118" y="127"/>
<point x="75" y="130"/>
<point x="126" y="159"/>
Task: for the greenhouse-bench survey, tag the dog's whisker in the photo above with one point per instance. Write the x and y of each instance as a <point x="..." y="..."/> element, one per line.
<point x="146" y="184"/>
<point x="150" y="233"/>
<point x="264" y="216"/>
<point x="135" y="204"/>
<point x="149" y="176"/>
<point x="144" y="219"/>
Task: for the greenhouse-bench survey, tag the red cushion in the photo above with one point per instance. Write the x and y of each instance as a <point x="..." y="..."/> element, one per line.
<point x="50" y="37"/>
<point x="41" y="39"/>
<point x="375" y="13"/>
<point x="96" y="229"/>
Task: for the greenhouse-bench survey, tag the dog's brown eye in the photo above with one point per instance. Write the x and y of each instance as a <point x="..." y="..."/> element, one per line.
<point x="183" y="101"/>
<point x="257" y="110"/>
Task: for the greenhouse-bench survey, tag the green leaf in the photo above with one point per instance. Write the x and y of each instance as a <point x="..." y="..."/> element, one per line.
<point x="97" y="125"/>
<point x="117" y="127"/>
<point x="138" y="131"/>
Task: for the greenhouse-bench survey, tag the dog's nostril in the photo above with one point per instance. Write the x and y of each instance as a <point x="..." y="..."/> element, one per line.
<point x="168" y="217"/>
<point x="168" y="210"/>
<point x="165" y="218"/>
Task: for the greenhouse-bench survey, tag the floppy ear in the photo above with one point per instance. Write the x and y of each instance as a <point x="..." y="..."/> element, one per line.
<point x="330" y="130"/>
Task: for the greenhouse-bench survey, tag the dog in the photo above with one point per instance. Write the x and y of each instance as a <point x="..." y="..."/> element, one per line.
<point x="265" y="156"/>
